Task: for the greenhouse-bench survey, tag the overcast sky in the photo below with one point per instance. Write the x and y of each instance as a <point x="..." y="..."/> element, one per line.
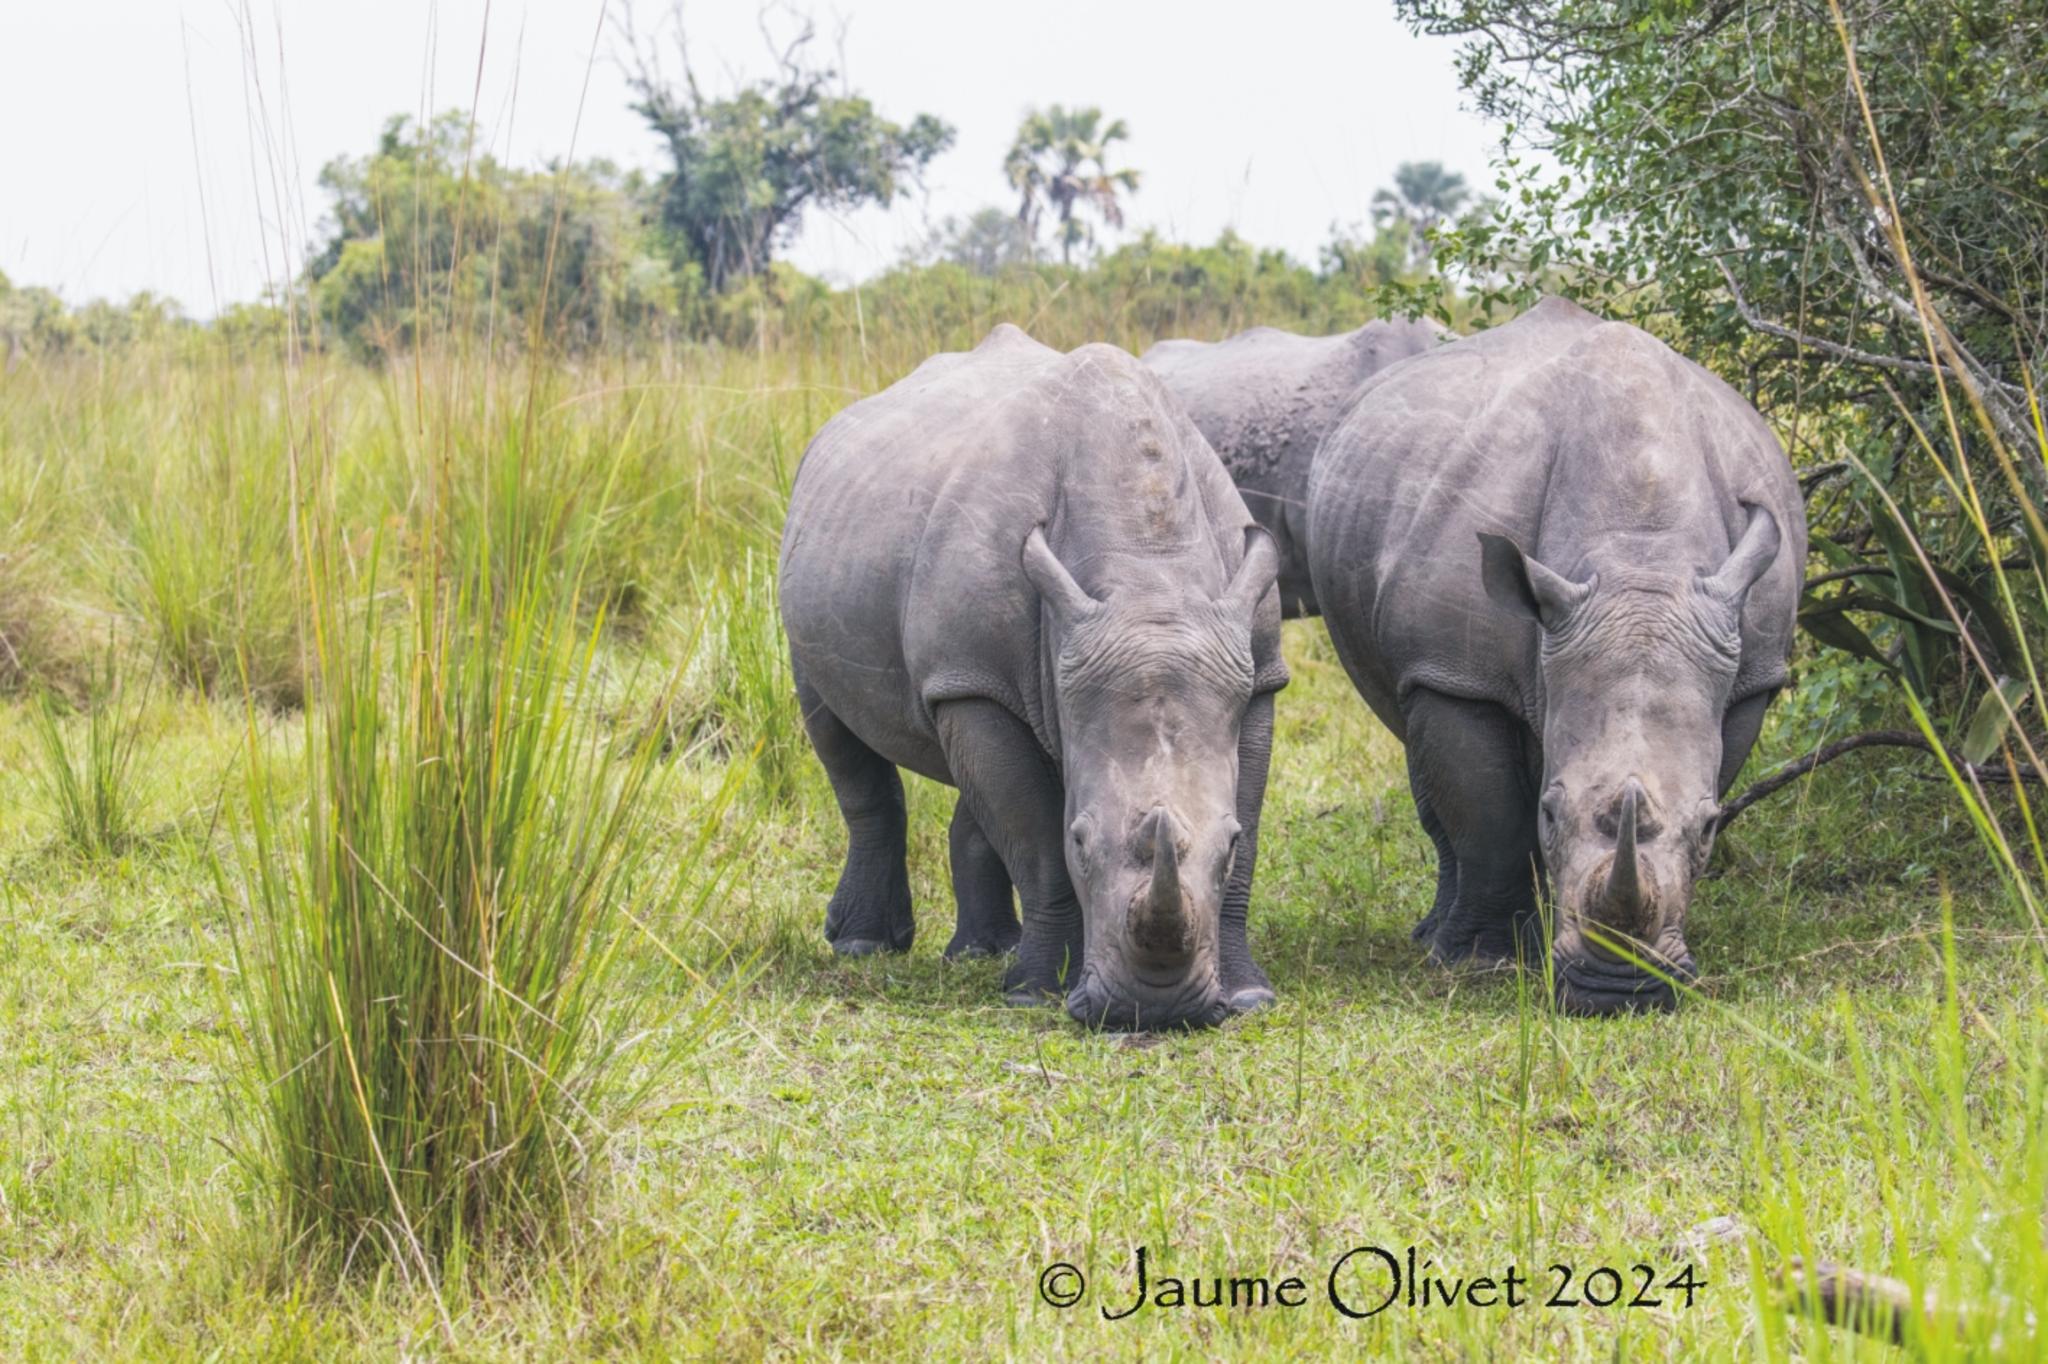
<point x="173" y="145"/>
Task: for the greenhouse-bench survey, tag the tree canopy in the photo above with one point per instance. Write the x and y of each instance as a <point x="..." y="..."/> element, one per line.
<point x="1060" y="161"/>
<point x="745" y="166"/>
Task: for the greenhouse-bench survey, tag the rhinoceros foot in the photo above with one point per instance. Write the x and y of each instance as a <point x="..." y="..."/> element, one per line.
<point x="1468" y="942"/>
<point x="973" y="946"/>
<point x="1251" y="998"/>
<point x="863" y="947"/>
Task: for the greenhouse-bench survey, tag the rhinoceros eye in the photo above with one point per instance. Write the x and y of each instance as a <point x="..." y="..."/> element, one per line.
<point x="1077" y="838"/>
<point x="1549" y="814"/>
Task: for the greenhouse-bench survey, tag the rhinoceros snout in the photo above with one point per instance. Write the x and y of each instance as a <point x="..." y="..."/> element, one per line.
<point x="1592" y="988"/>
<point x="1132" y="1007"/>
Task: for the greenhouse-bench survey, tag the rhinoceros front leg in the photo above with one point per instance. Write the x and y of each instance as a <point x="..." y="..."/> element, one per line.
<point x="1245" y="986"/>
<point x="985" y="922"/>
<point x="870" y="910"/>
<point x="1467" y="764"/>
<point x="1011" y="789"/>
<point x="1446" y="858"/>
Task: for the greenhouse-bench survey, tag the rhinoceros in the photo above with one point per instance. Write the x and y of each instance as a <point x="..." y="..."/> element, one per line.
<point x="1561" y="562"/>
<point x="1265" y="399"/>
<point x="1025" y="574"/>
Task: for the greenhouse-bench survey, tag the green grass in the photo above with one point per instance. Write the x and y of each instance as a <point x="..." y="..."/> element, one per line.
<point x="873" y="1158"/>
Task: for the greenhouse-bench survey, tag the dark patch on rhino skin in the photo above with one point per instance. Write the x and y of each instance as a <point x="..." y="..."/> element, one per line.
<point x="1027" y="575"/>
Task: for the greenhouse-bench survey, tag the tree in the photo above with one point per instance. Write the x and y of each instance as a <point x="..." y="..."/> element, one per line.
<point x="427" y="236"/>
<point x="1424" y="195"/>
<point x="988" y="243"/>
<point x="746" y="166"/>
<point x="1060" y="160"/>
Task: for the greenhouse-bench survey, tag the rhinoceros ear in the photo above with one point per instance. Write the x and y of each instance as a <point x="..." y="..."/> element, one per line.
<point x="1749" y="560"/>
<point x="1069" y="600"/>
<point x="1255" y="576"/>
<point x="1522" y="585"/>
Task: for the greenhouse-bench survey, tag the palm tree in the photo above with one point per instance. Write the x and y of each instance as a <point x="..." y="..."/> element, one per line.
<point x="1061" y="159"/>
<point x="1424" y="194"/>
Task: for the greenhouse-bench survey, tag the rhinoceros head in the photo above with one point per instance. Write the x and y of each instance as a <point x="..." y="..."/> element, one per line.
<point x="1152" y="681"/>
<point x="1637" y="662"/>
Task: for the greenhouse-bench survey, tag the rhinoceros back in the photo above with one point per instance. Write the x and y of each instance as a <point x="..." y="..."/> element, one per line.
<point x="1265" y="399"/>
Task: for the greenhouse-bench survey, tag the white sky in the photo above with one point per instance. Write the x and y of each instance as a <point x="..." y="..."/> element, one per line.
<point x="173" y="144"/>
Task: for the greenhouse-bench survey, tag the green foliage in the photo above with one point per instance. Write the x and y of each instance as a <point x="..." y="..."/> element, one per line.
<point x="746" y="166"/>
<point x="429" y="236"/>
<point x="1060" y="161"/>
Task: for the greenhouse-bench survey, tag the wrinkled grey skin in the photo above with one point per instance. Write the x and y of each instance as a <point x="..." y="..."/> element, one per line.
<point x="1561" y="562"/>
<point x="1027" y="575"/>
<point x="1265" y="399"/>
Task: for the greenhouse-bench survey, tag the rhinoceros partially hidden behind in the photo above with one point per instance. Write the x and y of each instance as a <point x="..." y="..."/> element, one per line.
<point x="1265" y="399"/>
<point x="1561" y="563"/>
<point x="1027" y="575"/>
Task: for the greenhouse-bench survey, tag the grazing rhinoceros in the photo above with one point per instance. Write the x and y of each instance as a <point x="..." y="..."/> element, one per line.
<point x="1265" y="399"/>
<point x="1027" y="575"/>
<point x="1561" y="562"/>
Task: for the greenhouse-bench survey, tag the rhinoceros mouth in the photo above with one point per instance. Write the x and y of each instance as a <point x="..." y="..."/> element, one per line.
<point x="1592" y="988"/>
<point x="1188" y="1005"/>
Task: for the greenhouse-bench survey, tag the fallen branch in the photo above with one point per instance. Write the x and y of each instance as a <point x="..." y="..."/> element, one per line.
<point x="1870" y="1303"/>
<point x="1876" y="738"/>
<point x="1881" y="1306"/>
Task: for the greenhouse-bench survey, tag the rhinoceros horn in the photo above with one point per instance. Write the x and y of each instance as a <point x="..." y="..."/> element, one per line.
<point x="1160" y="925"/>
<point x="1624" y="886"/>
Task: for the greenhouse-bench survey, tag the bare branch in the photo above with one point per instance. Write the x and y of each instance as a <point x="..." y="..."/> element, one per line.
<point x="1757" y="322"/>
<point x="1878" y="738"/>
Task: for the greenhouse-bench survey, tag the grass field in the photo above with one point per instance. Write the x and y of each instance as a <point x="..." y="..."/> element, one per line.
<point x="873" y="1158"/>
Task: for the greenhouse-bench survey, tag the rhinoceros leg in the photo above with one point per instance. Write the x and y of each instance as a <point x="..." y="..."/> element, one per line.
<point x="985" y="923"/>
<point x="1245" y="986"/>
<point x="870" y="911"/>
<point x="1468" y="766"/>
<point x="1010" y="787"/>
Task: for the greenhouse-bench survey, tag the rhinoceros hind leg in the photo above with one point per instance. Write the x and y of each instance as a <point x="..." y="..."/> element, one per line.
<point x="870" y="910"/>
<point x="1467" y="765"/>
<point x="1012" y="791"/>
<point x="985" y="923"/>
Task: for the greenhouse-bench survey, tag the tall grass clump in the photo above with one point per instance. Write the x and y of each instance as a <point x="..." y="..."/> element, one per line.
<point x="740" y="699"/>
<point x="86" y="766"/>
<point x="432" y="932"/>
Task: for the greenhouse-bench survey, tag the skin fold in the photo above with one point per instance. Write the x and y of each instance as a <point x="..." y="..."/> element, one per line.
<point x="1027" y="575"/>
<point x="1562" y="563"/>
<point x="1265" y="399"/>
